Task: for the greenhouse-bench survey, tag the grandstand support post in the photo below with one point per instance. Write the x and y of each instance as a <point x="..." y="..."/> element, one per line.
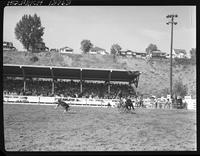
<point x="24" y="84"/>
<point x="81" y="82"/>
<point x="53" y="85"/>
<point x="24" y="78"/>
<point x="109" y="78"/>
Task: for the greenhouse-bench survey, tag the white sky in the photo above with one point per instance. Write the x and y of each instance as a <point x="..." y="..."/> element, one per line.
<point x="132" y="27"/>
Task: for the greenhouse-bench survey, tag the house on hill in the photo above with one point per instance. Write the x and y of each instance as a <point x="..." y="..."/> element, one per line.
<point x="66" y="50"/>
<point x="127" y="53"/>
<point x="140" y="54"/>
<point x="98" y="50"/>
<point x="130" y="53"/>
<point x="122" y="53"/>
<point x="168" y="56"/>
<point x="179" y="53"/>
<point x="158" y="54"/>
<point x="8" y="46"/>
<point x="54" y="50"/>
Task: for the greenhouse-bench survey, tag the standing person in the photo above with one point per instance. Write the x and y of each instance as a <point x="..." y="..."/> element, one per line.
<point x="156" y="103"/>
<point x="167" y="103"/>
<point x="170" y="103"/>
<point x="108" y="105"/>
<point x="141" y="101"/>
<point x="160" y="104"/>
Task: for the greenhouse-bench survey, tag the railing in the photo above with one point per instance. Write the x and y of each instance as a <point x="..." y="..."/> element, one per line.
<point x="52" y="100"/>
<point x="191" y="103"/>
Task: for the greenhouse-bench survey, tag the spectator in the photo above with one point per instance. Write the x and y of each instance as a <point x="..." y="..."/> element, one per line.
<point x="141" y="101"/>
<point x="67" y="88"/>
<point x="156" y="103"/>
<point x="167" y="104"/>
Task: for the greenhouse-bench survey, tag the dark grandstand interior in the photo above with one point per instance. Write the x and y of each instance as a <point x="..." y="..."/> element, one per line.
<point x="68" y="82"/>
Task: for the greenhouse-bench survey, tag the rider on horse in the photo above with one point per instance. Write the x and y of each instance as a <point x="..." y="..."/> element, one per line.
<point x="129" y="104"/>
<point x="133" y="83"/>
<point x="63" y="104"/>
<point x="125" y="102"/>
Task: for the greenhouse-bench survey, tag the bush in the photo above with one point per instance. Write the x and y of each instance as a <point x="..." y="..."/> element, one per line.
<point x="182" y="61"/>
<point x="179" y="89"/>
<point x="7" y="60"/>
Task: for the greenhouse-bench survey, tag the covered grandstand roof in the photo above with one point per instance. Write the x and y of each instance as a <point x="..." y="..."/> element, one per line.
<point x="65" y="72"/>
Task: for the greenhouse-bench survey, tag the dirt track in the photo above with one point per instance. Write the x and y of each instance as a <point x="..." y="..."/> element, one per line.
<point x="42" y="128"/>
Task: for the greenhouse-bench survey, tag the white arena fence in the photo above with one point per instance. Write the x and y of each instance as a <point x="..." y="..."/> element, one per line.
<point x="40" y="100"/>
<point x="51" y="100"/>
<point x="191" y="103"/>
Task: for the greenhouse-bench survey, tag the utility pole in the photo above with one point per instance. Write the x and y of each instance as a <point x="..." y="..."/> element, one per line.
<point x="172" y="16"/>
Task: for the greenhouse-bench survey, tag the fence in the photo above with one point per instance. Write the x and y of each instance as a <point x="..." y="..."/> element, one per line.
<point x="52" y="100"/>
<point x="191" y="103"/>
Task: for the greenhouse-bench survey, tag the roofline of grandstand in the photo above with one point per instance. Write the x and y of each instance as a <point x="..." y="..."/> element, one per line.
<point x="69" y="73"/>
<point x="39" y="66"/>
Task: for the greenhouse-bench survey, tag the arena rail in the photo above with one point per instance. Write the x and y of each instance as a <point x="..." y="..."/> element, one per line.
<point x="42" y="100"/>
<point x="17" y="99"/>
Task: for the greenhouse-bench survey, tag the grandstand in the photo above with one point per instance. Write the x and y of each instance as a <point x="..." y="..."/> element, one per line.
<point x="75" y="86"/>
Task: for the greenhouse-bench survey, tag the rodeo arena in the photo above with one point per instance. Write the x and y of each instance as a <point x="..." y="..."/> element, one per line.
<point x="100" y="111"/>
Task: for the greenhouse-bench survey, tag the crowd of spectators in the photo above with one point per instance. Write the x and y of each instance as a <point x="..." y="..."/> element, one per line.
<point x="64" y="88"/>
<point x="72" y="89"/>
<point x="12" y="86"/>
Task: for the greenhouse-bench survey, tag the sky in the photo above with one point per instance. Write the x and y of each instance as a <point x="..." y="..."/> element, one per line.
<point x="132" y="27"/>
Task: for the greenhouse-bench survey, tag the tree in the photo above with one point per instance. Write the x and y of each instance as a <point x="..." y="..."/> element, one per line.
<point x="193" y="54"/>
<point x="165" y="91"/>
<point x="29" y="31"/>
<point x="179" y="89"/>
<point x="115" y="49"/>
<point x="86" y="45"/>
<point x="150" y="48"/>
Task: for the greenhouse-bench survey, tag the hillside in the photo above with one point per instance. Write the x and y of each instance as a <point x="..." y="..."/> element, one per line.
<point x="154" y="77"/>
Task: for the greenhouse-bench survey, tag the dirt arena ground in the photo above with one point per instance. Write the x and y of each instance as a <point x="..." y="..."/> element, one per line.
<point x="43" y="128"/>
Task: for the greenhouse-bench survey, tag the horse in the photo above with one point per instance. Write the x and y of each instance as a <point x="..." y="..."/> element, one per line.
<point x="63" y="104"/>
<point x="129" y="104"/>
<point x="125" y="105"/>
